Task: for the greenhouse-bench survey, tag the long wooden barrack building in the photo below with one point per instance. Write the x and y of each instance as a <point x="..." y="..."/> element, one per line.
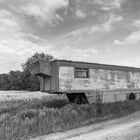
<point x="84" y="82"/>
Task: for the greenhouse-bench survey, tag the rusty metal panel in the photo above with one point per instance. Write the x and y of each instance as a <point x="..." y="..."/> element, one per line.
<point x="98" y="79"/>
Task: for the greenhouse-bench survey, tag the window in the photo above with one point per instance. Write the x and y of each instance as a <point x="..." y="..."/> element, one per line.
<point x="81" y="73"/>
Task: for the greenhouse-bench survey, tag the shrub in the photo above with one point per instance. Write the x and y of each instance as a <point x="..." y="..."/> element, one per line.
<point x="28" y="114"/>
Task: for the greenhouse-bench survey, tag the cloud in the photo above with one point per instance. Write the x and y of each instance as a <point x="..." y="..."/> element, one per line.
<point x="96" y="28"/>
<point x="15" y="50"/>
<point x="41" y="10"/>
<point x="44" y="10"/>
<point x="68" y="29"/>
<point x="131" y="39"/>
<point x="107" y="26"/>
<point x="80" y="13"/>
<point x="15" y="45"/>
<point x="108" y="5"/>
<point x="136" y="23"/>
<point x="9" y="23"/>
<point x="72" y="53"/>
<point x="117" y="42"/>
<point x="11" y="36"/>
<point x="132" y="62"/>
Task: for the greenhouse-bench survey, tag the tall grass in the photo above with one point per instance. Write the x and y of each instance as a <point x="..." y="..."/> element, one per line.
<point x="39" y="119"/>
<point x="14" y="106"/>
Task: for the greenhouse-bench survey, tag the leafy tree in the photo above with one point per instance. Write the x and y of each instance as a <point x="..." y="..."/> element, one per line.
<point x="15" y="80"/>
<point x="4" y="82"/>
<point x="23" y="80"/>
<point x="28" y="65"/>
<point x="29" y="81"/>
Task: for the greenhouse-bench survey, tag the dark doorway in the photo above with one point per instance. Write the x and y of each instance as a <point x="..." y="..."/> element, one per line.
<point x="132" y="96"/>
<point x="79" y="98"/>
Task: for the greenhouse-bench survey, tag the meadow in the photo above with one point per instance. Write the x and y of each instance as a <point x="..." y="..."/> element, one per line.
<point x="28" y="116"/>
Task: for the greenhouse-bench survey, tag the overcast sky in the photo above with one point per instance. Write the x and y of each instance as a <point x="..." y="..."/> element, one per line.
<point x="102" y="31"/>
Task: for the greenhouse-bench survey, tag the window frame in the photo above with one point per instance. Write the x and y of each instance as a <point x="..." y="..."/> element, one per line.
<point x="86" y="70"/>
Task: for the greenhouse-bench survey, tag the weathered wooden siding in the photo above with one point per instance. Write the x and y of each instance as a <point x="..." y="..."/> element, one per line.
<point x="98" y="79"/>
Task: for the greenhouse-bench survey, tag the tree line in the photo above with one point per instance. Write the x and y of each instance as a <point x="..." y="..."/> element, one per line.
<point x="25" y="79"/>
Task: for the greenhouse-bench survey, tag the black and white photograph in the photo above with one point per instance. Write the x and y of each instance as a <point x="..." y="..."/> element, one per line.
<point x="69" y="69"/>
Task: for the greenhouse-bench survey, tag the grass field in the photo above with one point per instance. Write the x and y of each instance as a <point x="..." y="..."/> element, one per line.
<point x="21" y="95"/>
<point x="22" y="118"/>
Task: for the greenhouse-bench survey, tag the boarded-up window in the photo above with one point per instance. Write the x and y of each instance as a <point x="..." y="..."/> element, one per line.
<point x="81" y="73"/>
